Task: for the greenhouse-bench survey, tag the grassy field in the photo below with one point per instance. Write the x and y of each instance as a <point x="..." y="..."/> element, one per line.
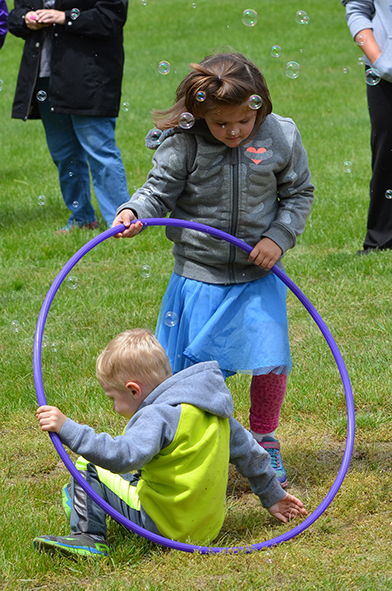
<point x="348" y="547"/>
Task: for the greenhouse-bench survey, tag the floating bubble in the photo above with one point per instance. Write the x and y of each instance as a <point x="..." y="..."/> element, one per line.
<point x="345" y="70"/>
<point x="41" y="200"/>
<point x="301" y="17"/>
<point x="75" y="204"/>
<point x="163" y="67"/>
<point x="146" y="271"/>
<point x="170" y="319"/>
<point x="186" y="120"/>
<point x="388" y="193"/>
<point x="293" y="69"/>
<point x="255" y="102"/>
<point x="41" y="96"/>
<point x="201" y="96"/>
<point x="144" y="2"/>
<point x="372" y="76"/>
<point x="75" y="12"/>
<point x="125" y="107"/>
<point x="54" y="347"/>
<point x="45" y="340"/>
<point x="1" y="85"/>
<point x="156" y="137"/>
<point x="347" y="166"/>
<point x="361" y="61"/>
<point x="70" y="173"/>
<point x="249" y="17"/>
<point x="360" y="39"/>
<point x="72" y="282"/>
<point x="276" y="51"/>
<point x="268" y="557"/>
<point x="193" y="4"/>
<point x="15" y="326"/>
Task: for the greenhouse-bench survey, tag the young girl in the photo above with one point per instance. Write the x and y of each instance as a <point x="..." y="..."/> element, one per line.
<point x="224" y="159"/>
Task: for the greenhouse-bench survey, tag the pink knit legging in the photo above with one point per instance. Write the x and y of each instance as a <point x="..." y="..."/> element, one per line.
<point x="266" y="399"/>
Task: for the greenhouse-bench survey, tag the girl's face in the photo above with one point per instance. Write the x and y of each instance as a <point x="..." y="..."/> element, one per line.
<point x="231" y="125"/>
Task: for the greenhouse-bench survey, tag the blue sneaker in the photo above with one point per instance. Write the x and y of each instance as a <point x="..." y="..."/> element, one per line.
<point x="272" y="446"/>
<point x="74" y="544"/>
<point x="66" y="500"/>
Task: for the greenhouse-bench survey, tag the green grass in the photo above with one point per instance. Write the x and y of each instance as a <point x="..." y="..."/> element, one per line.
<point x="348" y="547"/>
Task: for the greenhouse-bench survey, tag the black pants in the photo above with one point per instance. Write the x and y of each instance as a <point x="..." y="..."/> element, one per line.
<point x="379" y="225"/>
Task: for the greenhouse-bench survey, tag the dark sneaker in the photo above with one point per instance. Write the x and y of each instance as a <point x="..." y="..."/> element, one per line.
<point x="272" y="446"/>
<point x="66" y="500"/>
<point x="75" y="544"/>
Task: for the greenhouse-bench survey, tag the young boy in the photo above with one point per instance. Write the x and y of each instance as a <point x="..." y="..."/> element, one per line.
<point x="181" y="436"/>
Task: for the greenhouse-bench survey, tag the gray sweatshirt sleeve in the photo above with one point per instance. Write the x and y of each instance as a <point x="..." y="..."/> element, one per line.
<point x="166" y="180"/>
<point x="359" y="14"/>
<point x="253" y="462"/>
<point x="144" y="437"/>
<point x="295" y="190"/>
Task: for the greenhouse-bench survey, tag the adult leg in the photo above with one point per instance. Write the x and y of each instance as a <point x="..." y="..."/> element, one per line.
<point x="97" y="136"/>
<point x="70" y="159"/>
<point x="379" y="224"/>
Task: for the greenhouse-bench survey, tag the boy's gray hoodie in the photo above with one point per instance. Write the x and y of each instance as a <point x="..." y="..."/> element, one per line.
<point x="259" y="189"/>
<point x="154" y="426"/>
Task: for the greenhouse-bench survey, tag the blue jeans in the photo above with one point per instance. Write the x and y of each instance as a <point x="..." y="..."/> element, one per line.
<point x="79" y="145"/>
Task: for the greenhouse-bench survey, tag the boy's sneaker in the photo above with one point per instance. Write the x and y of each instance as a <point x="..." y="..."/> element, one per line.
<point x="272" y="446"/>
<point x="75" y="544"/>
<point x="66" y="500"/>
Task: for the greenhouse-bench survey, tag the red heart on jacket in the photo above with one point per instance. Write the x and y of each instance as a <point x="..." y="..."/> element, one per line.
<point x="256" y="151"/>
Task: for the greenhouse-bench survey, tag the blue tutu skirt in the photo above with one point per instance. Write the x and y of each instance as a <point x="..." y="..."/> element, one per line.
<point x="243" y="326"/>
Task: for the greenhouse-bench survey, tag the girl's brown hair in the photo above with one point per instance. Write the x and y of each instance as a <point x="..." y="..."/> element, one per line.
<point x="220" y="79"/>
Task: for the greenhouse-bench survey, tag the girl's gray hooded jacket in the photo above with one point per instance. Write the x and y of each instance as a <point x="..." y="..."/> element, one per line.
<point x="261" y="188"/>
<point x="376" y="15"/>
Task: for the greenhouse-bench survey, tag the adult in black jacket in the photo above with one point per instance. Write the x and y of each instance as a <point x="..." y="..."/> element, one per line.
<point x="70" y="77"/>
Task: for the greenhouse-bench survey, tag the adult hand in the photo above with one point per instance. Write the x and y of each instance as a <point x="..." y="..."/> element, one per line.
<point x="49" y="17"/>
<point x="265" y="253"/>
<point x="31" y="21"/>
<point x="50" y="418"/>
<point x="126" y="216"/>
<point x="288" y="508"/>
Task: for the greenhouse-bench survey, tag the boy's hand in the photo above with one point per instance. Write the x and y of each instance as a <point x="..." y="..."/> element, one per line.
<point x="126" y="216"/>
<point x="50" y="418"/>
<point x="288" y="508"/>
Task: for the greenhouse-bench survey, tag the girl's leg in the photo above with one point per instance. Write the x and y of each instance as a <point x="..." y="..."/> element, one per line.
<point x="266" y="395"/>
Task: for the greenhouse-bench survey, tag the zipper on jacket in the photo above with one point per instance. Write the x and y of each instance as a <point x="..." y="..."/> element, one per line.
<point x="234" y="216"/>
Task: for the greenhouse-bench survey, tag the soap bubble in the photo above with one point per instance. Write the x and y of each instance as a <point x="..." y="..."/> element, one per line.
<point x="54" y="347"/>
<point x="146" y="271"/>
<point x="41" y="200"/>
<point x="75" y="204"/>
<point x="170" y="319"/>
<point x="125" y="107"/>
<point x="360" y="39"/>
<point x="292" y="70"/>
<point x="45" y="340"/>
<point x="70" y="173"/>
<point x="41" y="95"/>
<point x="249" y="17"/>
<point x="347" y="166"/>
<point x="301" y="17"/>
<point x="72" y="282"/>
<point x="75" y="12"/>
<point x="276" y="51"/>
<point x="361" y="61"/>
<point x="156" y="137"/>
<point x="388" y="193"/>
<point x="164" y="67"/>
<point x="345" y="70"/>
<point x="268" y="557"/>
<point x="15" y="326"/>
<point x="372" y="76"/>
<point x="186" y="120"/>
<point x="201" y="96"/>
<point x="193" y="4"/>
<point x="144" y="2"/>
<point x="255" y="102"/>
<point x="1" y="85"/>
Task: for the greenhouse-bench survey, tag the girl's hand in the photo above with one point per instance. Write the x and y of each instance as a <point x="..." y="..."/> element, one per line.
<point x="265" y="253"/>
<point x="49" y="17"/>
<point x="288" y="508"/>
<point x="126" y="216"/>
<point x="50" y="418"/>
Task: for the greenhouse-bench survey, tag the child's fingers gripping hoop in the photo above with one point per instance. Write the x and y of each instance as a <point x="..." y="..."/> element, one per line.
<point x="304" y="301"/>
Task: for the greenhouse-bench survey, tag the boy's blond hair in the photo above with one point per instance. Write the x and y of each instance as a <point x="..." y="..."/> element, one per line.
<point x="133" y="355"/>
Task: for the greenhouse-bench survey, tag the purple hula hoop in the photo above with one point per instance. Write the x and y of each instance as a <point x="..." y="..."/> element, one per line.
<point x="309" y="307"/>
